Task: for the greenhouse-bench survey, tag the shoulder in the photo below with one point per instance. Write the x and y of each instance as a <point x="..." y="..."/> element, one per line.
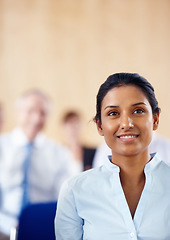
<point x="165" y="166"/>
<point x="84" y="181"/>
<point x="6" y="138"/>
<point x="44" y="141"/>
<point x="162" y="172"/>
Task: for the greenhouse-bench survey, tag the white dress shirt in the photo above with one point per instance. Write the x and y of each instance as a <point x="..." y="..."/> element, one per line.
<point x="92" y="206"/>
<point x="49" y="166"/>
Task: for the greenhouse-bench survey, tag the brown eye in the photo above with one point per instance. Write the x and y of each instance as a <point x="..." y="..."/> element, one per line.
<point x="112" y="113"/>
<point x="139" y="111"/>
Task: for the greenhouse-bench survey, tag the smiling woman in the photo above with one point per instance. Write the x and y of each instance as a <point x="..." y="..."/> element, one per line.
<point x="126" y="117"/>
<point x="118" y="200"/>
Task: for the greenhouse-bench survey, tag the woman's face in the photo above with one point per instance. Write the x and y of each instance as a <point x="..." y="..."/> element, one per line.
<point x="127" y="122"/>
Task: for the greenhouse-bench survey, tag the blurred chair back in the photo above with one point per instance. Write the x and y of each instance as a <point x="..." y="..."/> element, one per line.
<point x="37" y="222"/>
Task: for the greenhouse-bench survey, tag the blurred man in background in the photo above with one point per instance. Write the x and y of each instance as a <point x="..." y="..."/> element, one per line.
<point x="32" y="167"/>
<point x="1" y="117"/>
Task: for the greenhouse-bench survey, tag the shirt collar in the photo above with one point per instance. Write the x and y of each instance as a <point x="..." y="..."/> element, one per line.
<point x="153" y="163"/>
<point x="20" y="139"/>
<point x="111" y="166"/>
<point x="148" y="167"/>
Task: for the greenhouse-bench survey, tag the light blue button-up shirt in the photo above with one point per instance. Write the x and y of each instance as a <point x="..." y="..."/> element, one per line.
<point x="92" y="206"/>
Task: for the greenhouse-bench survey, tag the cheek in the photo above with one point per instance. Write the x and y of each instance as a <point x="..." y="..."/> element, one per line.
<point x="145" y="123"/>
<point x="25" y="119"/>
<point x="147" y="130"/>
<point x="149" y="124"/>
<point x="109" y="127"/>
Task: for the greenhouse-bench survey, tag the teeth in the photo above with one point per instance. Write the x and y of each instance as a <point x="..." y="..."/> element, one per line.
<point x="127" y="136"/>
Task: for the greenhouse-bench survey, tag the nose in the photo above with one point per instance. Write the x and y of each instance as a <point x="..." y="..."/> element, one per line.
<point x="36" y="118"/>
<point x="126" y="122"/>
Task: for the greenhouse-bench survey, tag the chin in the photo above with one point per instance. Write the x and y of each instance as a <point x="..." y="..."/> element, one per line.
<point x="32" y="134"/>
<point x="129" y="153"/>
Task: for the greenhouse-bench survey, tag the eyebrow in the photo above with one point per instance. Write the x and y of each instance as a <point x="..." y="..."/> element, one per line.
<point x="139" y="103"/>
<point x="133" y="105"/>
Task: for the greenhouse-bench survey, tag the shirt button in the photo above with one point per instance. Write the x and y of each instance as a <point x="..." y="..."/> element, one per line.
<point x="132" y="234"/>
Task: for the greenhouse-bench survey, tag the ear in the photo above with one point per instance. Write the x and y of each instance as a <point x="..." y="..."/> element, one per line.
<point x="99" y="128"/>
<point x="155" y="121"/>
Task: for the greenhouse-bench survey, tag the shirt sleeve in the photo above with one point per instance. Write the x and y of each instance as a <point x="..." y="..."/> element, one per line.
<point x="68" y="224"/>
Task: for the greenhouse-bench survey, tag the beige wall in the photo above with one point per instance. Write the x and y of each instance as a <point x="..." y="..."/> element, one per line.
<point x="68" y="48"/>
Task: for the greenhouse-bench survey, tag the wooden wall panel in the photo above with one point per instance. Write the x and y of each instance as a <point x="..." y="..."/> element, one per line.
<point x="68" y="48"/>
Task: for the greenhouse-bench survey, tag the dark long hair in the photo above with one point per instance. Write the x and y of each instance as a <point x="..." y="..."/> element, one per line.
<point x="122" y="79"/>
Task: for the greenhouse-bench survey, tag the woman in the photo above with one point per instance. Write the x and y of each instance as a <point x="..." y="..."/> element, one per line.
<point x="82" y="155"/>
<point x="129" y="196"/>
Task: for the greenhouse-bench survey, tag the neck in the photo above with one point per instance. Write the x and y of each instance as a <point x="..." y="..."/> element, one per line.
<point x="132" y="169"/>
<point x="76" y="149"/>
<point x="29" y="136"/>
<point x="73" y="142"/>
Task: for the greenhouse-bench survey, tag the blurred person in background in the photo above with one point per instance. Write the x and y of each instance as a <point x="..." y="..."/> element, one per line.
<point x="2" y="237"/>
<point x="159" y="144"/>
<point x="32" y="167"/>
<point x="1" y="117"/>
<point x="72" y="128"/>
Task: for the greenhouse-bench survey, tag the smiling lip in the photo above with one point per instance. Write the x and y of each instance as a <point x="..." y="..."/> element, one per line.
<point x="128" y="137"/>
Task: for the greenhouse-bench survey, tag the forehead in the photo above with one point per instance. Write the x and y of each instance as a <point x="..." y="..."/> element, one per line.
<point x="72" y="119"/>
<point x="33" y="101"/>
<point x="128" y="94"/>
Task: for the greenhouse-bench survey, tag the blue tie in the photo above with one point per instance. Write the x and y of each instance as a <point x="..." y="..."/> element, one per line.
<point x="25" y="198"/>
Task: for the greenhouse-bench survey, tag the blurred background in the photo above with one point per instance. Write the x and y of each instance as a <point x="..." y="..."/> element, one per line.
<point x="67" y="48"/>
